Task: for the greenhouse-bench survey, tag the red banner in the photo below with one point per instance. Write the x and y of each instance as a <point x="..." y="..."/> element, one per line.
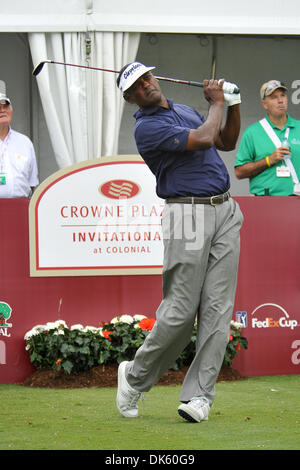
<point x="267" y="300"/>
<point x="268" y="291"/>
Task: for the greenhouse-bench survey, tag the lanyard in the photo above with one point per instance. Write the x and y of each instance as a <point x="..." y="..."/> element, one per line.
<point x="271" y="133"/>
<point x="288" y="161"/>
<point x="277" y="143"/>
<point x="286" y="134"/>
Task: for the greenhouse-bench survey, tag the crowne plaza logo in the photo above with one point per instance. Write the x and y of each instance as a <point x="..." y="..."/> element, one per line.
<point x="119" y="189"/>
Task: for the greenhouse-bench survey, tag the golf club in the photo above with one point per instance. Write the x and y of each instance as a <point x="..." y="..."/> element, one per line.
<point x="40" y="66"/>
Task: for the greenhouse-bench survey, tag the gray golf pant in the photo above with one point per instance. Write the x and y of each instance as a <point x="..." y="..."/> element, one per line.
<point x="199" y="280"/>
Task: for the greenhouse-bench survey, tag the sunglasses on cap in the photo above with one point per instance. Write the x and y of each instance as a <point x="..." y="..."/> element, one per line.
<point x="274" y="84"/>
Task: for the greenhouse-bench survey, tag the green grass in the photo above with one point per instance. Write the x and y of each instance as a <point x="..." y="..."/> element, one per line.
<point x="255" y="414"/>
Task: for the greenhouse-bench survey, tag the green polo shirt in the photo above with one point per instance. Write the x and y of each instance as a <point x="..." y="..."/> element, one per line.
<point x="256" y="144"/>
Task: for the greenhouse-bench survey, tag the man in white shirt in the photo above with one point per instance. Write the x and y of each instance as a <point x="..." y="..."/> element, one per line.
<point x="18" y="167"/>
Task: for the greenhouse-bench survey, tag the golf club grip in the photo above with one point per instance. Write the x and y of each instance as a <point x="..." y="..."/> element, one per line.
<point x="195" y="83"/>
<point x="236" y="90"/>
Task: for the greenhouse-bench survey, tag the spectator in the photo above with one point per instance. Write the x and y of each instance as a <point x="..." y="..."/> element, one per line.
<point x="269" y="151"/>
<point x="18" y="168"/>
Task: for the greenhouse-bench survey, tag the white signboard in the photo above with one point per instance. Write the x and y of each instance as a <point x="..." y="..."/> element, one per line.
<point x="98" y="217"/>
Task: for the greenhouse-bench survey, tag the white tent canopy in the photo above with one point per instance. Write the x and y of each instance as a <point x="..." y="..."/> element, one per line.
<point x="170" y="16"/>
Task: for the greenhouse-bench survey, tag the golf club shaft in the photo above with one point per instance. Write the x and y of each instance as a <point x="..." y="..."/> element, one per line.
<point x="39" y="67"/>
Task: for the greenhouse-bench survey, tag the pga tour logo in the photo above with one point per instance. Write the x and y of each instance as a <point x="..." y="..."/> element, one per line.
<point x="241" y="317"/>
<point x="267" y="315"/>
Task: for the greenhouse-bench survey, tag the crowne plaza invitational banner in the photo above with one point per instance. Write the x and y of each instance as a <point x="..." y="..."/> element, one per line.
<point x="98" y="217"/>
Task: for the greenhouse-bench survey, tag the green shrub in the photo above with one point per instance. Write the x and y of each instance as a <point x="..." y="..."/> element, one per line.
<point x="78" y="348"/>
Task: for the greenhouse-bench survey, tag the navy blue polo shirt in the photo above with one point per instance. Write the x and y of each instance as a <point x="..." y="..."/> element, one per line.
<point x="161" y="135"/>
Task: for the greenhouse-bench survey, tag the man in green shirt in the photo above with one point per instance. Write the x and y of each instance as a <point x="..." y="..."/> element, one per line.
<point x="272" y="165"/>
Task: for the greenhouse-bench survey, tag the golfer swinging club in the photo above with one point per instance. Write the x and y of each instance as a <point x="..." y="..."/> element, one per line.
<point x="199" y="279"/>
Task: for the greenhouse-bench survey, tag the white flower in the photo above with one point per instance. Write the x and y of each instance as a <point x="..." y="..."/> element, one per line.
<point x="48" y="326"/>
<point x="56" y="324"/>
<point x="122" y="319"/>
<point x="30" y="333"/>
<point x="39" y="328"/>
<point x="236" y="324"/>
<point x="93" y="329"/>
<point x="77" y="327"/>
<point x="27" y="335"/>
<point x="126" y="319"/>
<point x="61" y="323"/>
<point x="58" y="332"/>
<point x="138" y="317"/>
<point x="51" y="325"/>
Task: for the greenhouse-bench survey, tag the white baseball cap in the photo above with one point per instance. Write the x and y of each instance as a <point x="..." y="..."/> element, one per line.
<point x="3" y="97"/>
<point x="130" y="75"/>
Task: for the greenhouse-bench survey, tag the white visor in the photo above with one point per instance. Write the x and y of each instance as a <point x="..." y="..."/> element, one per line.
<point x="130" y="75"/>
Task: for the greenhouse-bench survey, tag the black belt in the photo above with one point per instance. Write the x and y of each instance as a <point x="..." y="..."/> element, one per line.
<point x="213" y="200"/>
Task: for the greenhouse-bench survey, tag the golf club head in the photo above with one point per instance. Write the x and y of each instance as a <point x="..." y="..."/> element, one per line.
<point x="39" y="67"/>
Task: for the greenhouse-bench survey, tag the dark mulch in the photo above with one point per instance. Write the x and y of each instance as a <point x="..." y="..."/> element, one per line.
<point x="106" y="376"/>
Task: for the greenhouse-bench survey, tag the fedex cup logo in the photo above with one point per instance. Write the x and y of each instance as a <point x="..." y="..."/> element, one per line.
<point x="271" y="320"/>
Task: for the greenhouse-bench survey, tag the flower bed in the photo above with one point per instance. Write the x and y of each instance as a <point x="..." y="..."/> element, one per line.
<point x="76" y="349"/>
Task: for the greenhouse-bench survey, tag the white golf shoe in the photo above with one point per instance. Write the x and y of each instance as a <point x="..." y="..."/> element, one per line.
<point x="196" y="410"/>
<point x="127" y="397"/>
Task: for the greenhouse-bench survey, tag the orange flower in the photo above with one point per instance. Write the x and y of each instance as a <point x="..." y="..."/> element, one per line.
<point x="58" y="362"/>
<point x="230" y="338"/>
<point x="147" y="323"/>
<point x="106" y="334"/>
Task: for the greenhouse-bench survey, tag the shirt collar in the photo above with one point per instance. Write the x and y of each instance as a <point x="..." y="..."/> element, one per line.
<point x="7" y="135"/>
<point x="289" y="122"/>
<point x="149" y="112"/>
